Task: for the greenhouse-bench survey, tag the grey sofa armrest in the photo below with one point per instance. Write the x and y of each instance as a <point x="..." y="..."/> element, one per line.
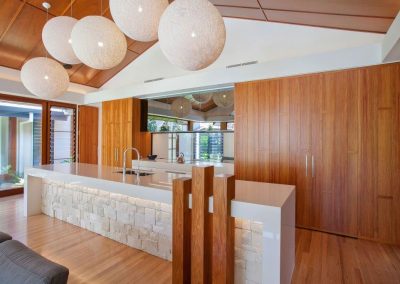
<point x="20" y="265"/>
<point x="4" y="237"/>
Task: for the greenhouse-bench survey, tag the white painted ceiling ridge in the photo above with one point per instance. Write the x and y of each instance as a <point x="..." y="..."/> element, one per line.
<point x="369" y="54"/>
<point x="391" y="42"/>
<point x="248" y="40"/>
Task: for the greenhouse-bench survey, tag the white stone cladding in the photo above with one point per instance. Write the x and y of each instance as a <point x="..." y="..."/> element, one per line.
<point x="142" y="224"/>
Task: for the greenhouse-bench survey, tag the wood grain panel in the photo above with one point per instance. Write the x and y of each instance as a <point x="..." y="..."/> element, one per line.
<point x="181" y="225"/>
<point x="300" y="90"/>
<point x="201" y="249"/>
<point x="380" y="158"/>
<point x="334" y="106"/>
<point x="88" y="124"/>
<point x="349" y="122"/>
<point x="121" y="130"/>
<point x="139" y="47"/>
<point x="8" y="12"/>
<point x="242" y="12"/>
<point x="355" y="23"/>
<point x="83" y="74"/>
<point x="58" y="7"/>
<point x="223" y="230"/>
<point x="13" y="51"/>
<point x="81" y="9"/>
<point x="374" y="8"/>
<point x="237" y="3"/>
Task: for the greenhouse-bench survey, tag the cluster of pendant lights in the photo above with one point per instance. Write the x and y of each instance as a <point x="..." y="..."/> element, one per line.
<point x="191" y="34"/>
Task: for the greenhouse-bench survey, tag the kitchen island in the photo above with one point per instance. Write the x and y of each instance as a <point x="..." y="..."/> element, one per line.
<point x="137" y="212"/>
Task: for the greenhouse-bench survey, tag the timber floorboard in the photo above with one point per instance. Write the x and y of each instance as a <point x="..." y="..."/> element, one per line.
<point x="91" y="258"/>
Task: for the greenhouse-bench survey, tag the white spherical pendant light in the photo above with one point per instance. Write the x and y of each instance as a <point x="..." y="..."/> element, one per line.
<point x="98" y="42"/>
<point x="192" y="34"/>
<point x="56" y="36"/>
<point x="202" y="98"/>
<point x="181" y="107"/>
<point x="138" y="19"/>
<point x="44" y="77"/>
<point x="224" y="99"/>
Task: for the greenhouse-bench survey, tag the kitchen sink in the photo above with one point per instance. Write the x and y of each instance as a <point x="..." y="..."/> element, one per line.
<point x="132" y="172"/>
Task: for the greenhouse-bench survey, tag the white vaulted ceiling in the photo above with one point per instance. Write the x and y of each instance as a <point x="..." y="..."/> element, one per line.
<point x="278" y="49"/>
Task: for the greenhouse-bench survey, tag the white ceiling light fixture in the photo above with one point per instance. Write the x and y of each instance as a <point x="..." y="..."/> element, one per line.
<point x="223" y="99"/>
<point x="202" y="98"/>
<point x="181" y="107"/>
<point x="192" y="34"/>
<point x="44" y="77"/>
<point x="98" y="42"/>
<point x="138" y="19"/>
<point x="56" y="36"/>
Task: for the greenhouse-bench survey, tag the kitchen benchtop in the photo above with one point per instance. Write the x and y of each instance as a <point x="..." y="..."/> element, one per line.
<point x="156" y="187"/>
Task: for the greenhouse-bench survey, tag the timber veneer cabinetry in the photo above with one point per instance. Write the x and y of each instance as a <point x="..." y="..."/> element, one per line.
<point x="121" y="122"/>
<point x="334" y="135"/>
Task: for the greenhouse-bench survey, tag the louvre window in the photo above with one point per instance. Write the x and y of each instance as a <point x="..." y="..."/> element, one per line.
<point x="62" y="135"/>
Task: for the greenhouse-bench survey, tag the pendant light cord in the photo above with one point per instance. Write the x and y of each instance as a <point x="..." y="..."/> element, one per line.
<point x="71" y="7"/>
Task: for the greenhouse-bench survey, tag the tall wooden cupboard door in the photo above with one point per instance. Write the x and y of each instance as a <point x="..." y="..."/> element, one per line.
<point x="107" y="155"/>
<point x="299" y="91"/>
<point x="335" y="152"/>
<point x="379" y="198"/>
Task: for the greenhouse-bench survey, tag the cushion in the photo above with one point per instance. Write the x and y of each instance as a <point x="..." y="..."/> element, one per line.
<point x="19" y="264"/>
<point x="4" y="237"/>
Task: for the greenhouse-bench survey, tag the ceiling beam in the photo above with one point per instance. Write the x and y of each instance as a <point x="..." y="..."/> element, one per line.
<point x="391" y="42"/>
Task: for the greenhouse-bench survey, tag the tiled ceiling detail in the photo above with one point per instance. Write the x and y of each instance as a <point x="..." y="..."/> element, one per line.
<point x="21" y="24"/>
<point x="356" y="15"/>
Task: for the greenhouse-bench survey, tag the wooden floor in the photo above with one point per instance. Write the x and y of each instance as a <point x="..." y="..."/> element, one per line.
<point x="320" y="257"/>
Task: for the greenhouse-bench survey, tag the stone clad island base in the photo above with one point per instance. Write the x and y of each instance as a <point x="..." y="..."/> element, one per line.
<point x="146" y="223"/>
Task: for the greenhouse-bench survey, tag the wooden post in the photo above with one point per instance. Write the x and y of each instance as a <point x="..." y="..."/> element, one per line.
<point x="201" y="248"/>
<point x="223" y="230"/>
<point x="181" y="225"/>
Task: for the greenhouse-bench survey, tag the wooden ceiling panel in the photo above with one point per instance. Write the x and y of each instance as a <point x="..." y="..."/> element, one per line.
<point x="8" y="11"/>
<point x="104" y="76"/>
<point x="83" y="75"/>
<point x="22" y="37"/>
<point x="83" y="8"/>
<point x="58" y="7"/>
<point x="237" y="3"/>
<point x="140" y="47"/>
<point x="374" y="8"/>
<point x="356" y="23"/>
<point x="243" y="13"/>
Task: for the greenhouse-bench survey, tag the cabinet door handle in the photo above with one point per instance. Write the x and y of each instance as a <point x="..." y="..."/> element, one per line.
<point x="306" y="165"/>
<point x="117" y="154"/>
<point x="312" y="166"/>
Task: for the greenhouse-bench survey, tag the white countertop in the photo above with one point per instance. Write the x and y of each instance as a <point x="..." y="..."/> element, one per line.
<point x="158" y="186"/>
<point x="174" y="166"/>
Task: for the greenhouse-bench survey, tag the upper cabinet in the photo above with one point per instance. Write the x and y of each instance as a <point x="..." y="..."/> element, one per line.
<point x="335" y="136"/>
<point x="121" y="122"/>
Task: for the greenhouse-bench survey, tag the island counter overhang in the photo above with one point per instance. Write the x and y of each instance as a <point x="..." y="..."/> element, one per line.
<point x="264" y="213"/>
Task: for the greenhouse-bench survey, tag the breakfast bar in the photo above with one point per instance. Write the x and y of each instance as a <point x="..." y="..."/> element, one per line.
<point x="136" y="210"/>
